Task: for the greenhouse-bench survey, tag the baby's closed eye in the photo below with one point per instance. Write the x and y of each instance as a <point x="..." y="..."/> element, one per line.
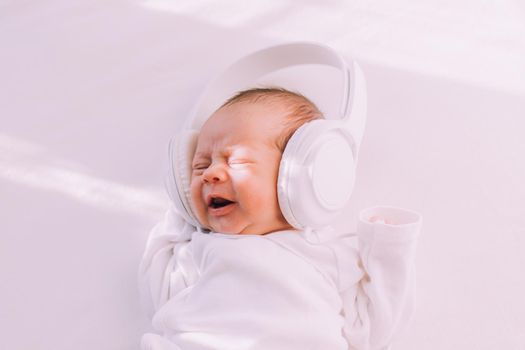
<point x="199" y="166"/>
<point x="234" y="163"/>
<point x="238" y="162"/>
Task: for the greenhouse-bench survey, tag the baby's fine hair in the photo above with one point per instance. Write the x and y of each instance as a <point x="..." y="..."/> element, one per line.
<point x="300" y="109"/>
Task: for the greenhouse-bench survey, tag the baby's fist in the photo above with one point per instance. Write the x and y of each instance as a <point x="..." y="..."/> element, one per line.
<point x="381" y="220"/>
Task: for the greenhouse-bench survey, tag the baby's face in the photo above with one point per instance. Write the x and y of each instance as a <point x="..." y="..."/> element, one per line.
<point x="235" y="168"/>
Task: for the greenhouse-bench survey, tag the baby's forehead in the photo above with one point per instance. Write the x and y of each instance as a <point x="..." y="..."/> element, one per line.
<point x="257" y="127"/>
<point x="248" y="116"/>
<point x="269" y="106"/>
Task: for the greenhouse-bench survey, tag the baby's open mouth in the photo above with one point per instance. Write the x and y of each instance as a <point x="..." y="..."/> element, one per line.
<point x="219" y="202"/>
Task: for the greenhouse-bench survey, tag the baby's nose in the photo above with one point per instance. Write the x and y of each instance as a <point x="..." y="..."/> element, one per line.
<point x="215" y="174"/>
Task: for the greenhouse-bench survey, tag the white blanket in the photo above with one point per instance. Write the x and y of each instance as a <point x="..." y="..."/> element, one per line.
<point x="283" y="290"/>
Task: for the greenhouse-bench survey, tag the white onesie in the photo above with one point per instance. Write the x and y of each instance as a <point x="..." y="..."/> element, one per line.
<point x="283" y="290"/>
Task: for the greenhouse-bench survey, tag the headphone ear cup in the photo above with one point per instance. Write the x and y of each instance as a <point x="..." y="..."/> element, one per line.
<point x="181" y="151"/>
<point x="316" y="174"/>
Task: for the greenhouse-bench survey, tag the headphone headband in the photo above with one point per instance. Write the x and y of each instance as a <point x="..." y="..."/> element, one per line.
<point x="245" y="72"/>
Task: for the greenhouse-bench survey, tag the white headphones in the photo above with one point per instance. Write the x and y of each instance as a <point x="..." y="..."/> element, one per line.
<point x="317" y="169"/>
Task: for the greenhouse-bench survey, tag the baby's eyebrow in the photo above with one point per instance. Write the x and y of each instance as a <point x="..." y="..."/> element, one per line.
<point x="227" y="151"/>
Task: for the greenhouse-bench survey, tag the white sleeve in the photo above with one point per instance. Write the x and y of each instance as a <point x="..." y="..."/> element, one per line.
<point x="382" y="301"/>
<point x="160" y="274"/>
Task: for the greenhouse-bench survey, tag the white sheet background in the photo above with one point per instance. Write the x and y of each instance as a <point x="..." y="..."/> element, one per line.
<point x="91" y="91"/>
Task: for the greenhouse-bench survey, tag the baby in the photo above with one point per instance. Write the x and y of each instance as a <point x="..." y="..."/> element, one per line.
<point x="255" y="282"/>
<point x="237" y="160"/>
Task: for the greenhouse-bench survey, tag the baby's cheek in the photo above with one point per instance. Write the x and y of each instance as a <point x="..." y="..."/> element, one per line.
<point x="193" y="190"/>
<point x="265" y="197"/>
<point x="196" y="197"/>
<point x="255" y="189"/>
<point x="247" y="191"/>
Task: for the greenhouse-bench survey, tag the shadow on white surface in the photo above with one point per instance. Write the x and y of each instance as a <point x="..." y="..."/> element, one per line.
<point x="27" y="164"/>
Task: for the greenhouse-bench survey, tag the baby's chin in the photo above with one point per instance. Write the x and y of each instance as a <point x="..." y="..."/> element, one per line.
<point x="235" y="229"/>
<point x="239" y="225"/>
<point x="225" y="228"/>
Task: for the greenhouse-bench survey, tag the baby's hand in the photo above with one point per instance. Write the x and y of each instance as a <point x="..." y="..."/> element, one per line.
<point x="378" y="219"/>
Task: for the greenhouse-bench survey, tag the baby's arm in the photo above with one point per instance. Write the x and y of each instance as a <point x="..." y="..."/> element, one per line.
<point x="382" y="302"/>
<point x="159" y="274"/>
